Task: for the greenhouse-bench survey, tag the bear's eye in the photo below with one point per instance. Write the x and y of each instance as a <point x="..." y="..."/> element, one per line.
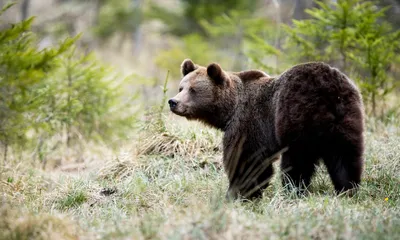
<point x="192" y="90"/>
<point x="180" y="89"/>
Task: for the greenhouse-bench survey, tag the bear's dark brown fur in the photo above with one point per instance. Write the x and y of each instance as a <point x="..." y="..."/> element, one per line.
<point x="310" y="112"/>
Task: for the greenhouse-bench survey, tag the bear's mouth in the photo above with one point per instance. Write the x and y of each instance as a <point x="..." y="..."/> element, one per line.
<point x="180" y="113"/>
<point x="183" y="110"/>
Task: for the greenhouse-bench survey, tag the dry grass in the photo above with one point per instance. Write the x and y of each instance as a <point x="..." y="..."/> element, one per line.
<point x="176" y="191"/>
<point x="177" y="141"/>
<point x="19" y="224"/>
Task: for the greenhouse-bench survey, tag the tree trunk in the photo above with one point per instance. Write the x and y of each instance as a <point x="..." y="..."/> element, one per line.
<point x="137" y="34"/>
<point x="278" y="32"/>
<point x="25" y="9"/>
<point x="300" y="5"/>
<point x="239" y="61"/>
<point x="41" y="154"/>
<point x="137" y="41"/>
<point x="69" y="74"/>
<point x="98" y="5"/>
<point x="373" y="104"/>
<point x="5" y="153"/>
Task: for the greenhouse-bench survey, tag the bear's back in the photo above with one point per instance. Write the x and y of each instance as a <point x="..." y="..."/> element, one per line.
<point x="316" y="80"/>
<point x="251" y="75"/>
<point x="314" y="97"/>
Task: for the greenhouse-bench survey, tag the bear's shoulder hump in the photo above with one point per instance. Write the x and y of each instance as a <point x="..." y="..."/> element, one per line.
<point x="252" y="75"/>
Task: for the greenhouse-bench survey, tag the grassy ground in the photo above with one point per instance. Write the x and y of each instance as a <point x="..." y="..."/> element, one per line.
<point x="171" y="186"/>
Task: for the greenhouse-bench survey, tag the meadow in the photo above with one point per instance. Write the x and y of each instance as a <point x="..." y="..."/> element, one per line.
<point x="169" y="184"/>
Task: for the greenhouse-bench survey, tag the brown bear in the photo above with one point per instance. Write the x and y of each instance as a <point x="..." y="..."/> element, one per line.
<point x="310" y="112"/>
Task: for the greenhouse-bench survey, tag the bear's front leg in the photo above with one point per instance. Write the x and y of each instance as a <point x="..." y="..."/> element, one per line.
<point x="250" y="184"/>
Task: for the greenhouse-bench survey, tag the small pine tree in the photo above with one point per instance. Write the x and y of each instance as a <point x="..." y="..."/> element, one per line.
<point x="90" y="99"/>
<point x="375" y="50"/>
<point x="22" y="69"/>
<point x="46" y="92"/>
<point x="327" y="35"/>
<point x="352" y="35"/>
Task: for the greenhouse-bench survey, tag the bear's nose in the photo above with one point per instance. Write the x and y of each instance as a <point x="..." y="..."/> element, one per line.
<point x="172" y="103"/>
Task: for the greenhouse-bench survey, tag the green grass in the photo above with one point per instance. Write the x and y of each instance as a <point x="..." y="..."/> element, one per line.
<point x="172" y="186"/>
<point x="73" y="199"/>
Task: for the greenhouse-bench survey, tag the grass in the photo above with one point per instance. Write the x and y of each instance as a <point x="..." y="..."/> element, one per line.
<point x="172" y="186"/>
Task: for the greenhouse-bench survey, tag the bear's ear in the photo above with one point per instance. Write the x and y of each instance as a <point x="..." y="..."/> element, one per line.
<point x="216" y="73"/>
<point x="187" y="66"/>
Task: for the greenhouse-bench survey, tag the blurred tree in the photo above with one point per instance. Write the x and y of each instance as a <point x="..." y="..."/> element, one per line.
<point x="300" y="7"/>
<point x="240" y="35"/>
<point x="137" y="33"/>
<point x="120" y="17"/>
<point x="195" y="11"/>
<point x="393" y="13"/>
<point x="229" y="37"/>
<point x="25" y="9"/>
<point x="84" y="100"/>
<point x="89" y="99"/>
<point x="194" y="46"/>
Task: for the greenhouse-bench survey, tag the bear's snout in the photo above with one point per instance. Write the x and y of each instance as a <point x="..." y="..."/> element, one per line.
<point x="172" y="103"/>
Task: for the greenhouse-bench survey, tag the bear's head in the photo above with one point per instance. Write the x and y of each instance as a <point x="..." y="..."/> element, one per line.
<point x="205" y="93"/>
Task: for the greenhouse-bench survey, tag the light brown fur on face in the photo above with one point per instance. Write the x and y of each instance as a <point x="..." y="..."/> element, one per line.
<point x="195" y="91"/>
<point x="205" y="94"/>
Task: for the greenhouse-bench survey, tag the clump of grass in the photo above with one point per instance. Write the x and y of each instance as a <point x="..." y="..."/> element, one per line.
<point x="182" y="143"/>
<point x="149" y="226"/>
<point x="194" y="147"/>
<point x="17" y="223"/>
<point x="120" y="167"/>
<point x="72" y="199"/>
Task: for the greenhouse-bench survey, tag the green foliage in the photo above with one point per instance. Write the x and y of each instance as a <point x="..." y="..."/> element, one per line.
<point x="87" y="99"/>
<point x="375" y="54"/>
<point x="263" y="54"/>
<point x="56" y="90"/>
<point x="23" y="68"/>
<point x="327" y="34"/>
<point x="72" y="199"/>
<point x="352" y="35"/>
<point x="118" y="17"/>
<point x="193" y="45"/>
<point x="188" y="21"/>
<point x="231" y="39"/>
<point x="249" y="37"/>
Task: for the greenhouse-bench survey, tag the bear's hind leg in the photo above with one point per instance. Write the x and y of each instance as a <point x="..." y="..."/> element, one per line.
<point x="298" y="168"/>
<point x="345" y="170"/>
